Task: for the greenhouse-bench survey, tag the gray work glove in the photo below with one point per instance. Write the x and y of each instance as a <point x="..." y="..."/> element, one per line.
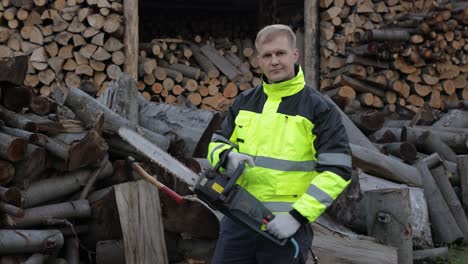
<point x="283" y="226"/>
<point x="233" y="160"/>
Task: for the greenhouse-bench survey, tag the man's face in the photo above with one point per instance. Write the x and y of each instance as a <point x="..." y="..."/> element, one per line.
<point x="277" y="58"/>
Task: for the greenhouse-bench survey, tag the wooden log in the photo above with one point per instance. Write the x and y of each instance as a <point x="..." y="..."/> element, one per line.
<point x="403" y="150"/>
<point x="110" y="252"/>
<point x="55" y="147"/>
<point x="444" y="226"/>
<point x="39" y="215"/>
<point x="30" y="241"/>
<point x="11" y="210"/>
<point x="454" y="118"/>
<point x="187" y="71"/>
<point x="385" y="167"/>
<point x="193" y="135"/>
<point x="142" y="233"/>
<point x="7" y="172"/>
<point x="433" y="254"/>
<point x="359" y="86"/>
<point x="355" y="136"/>
<point x="368" y="121"/>
<point x="440" y="176"/>
<point x="31" y="166"/>
<point x="12" y="195"/>
<point x="76" y="98"/>
<point x="420" y="223"/>
<point x="389" y="220"/>
<point x="331" y="246"/>
<point x="12" y="148"/>
<point x="16" y="97"/>
<point x="72" y="252"/>
<point x="36" y="258"/>
<point x="455" y="140"/>
<point x="121" y="97"/>
<point x="14" y="69"/>
<point x="221" y="63"/>
<point x="432" y="143"/>
<point x="462" y="166"/>
<point x="46" y="190"/>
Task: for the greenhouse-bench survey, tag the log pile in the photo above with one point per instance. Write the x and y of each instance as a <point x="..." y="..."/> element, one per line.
<point x="67" y="42"/>
<point x="65" y="184"/>
<point x="205" y="73"/>
<point x="395" y="54"/>
<point x="410" y="179"/>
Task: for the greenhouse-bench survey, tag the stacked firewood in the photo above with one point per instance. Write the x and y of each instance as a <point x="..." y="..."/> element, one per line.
<point x="395" y="54"/>
<point x="205" y="73"/>
<point x="68" y="41"/>
<point x="64" y="180"/>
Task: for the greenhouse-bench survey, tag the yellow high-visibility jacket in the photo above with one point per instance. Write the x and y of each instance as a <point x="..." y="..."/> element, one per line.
<point x="298" y="143"/>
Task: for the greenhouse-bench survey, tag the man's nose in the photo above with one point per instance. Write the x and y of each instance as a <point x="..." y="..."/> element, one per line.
<point x="274" y="60"/>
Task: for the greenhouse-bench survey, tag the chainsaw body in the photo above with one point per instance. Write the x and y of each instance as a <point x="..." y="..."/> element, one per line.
<point x="233" y="201"/>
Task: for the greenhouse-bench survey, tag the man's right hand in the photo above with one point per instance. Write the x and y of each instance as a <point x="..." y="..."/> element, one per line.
<point x="234" y="159"/>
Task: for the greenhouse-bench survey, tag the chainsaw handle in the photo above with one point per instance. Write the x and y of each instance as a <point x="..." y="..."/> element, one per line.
<point x="142" y="172"/>
<point x="237" y="173"/>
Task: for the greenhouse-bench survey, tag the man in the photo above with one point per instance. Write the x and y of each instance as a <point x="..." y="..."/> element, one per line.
<point x="295" y="147"/>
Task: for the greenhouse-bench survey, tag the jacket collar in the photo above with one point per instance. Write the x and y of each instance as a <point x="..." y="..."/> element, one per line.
<point x="285" y="88"/>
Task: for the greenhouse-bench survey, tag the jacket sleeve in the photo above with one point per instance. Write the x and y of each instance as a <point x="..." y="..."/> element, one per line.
<point x="220" y="140"/>
<point x="333" y="166"/>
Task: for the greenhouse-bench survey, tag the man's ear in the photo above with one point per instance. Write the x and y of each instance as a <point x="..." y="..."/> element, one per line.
<point x="295" y="54"/>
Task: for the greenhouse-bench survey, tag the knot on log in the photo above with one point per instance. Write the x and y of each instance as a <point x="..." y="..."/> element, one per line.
<point x="384" y="218"/>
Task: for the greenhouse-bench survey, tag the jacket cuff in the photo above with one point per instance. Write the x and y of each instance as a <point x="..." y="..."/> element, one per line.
<point x="300" y="218"/>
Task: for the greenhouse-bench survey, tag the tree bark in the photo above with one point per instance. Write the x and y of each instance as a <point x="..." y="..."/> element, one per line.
<point x="40" y="215"/>
<point x="454" y="118"/>
<point x="444" y="226"/>
<point x="190" y="129"/>
<point x="454" y="140"/>
<point x="451" y="198"/>
<point x="389" y="220"/>
<point x="28" y="169"/>
<point x="462" y="163"/>
<point x="385" y="167"/>
<point x="14" y="69"/>
<point x="30" y="241"/>
<point x="142" y="233"/>
<point x="12" y="148"/>
<point x="403" y="150"/>
<point x="121" y="97"/>
<point x="432" y="255"/>
<point x="110" y="252"/>
<point x="54" y="188"/>
<point x="77" y="98"/>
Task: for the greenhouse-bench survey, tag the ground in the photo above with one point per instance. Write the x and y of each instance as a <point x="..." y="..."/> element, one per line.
<point x="459" y="255"/>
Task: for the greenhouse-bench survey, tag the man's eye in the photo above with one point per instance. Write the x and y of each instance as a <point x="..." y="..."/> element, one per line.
<point x="266" y="56"/>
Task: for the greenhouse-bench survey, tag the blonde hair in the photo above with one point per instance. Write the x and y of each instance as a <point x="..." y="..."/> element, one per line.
<point x="269" y="32"/>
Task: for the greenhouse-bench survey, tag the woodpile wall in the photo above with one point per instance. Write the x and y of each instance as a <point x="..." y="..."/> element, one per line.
<point x="394" y="54"/>
<point x="67" y="41"/>
<point x="394" y="67"/>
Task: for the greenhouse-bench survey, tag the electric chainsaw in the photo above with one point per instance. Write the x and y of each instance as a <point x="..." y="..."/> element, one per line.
<point x="213" y="187"/>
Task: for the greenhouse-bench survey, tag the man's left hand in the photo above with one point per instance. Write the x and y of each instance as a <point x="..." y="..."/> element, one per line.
<point x="283" y="226"/>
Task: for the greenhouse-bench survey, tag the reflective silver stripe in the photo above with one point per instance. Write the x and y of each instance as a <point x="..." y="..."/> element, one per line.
<point x="214" y="150"/>
<point x="278" y="206"/>
<point x="284" y="165"/>
<point x="338" y="159"/>
<point x="217" y="138"/>
<point x="320" y="195"/>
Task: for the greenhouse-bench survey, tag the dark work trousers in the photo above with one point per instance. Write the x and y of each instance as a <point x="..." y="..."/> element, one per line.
<point x="238" y="245"/>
